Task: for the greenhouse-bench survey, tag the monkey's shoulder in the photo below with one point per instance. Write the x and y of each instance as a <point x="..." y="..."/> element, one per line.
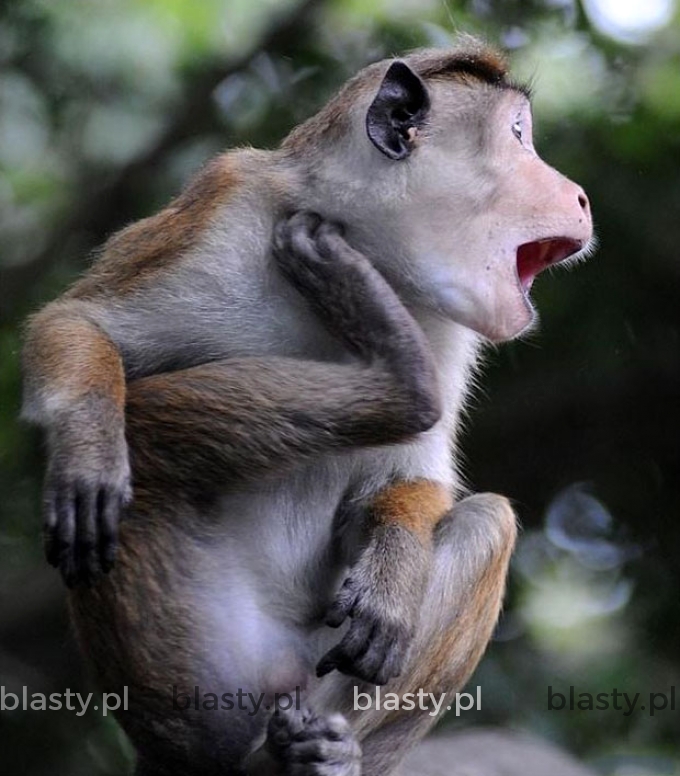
<point x="154" y="246"/>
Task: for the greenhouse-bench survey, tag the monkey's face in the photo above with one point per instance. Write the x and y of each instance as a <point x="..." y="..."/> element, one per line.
<point x="439" y="184"/>
<point x="488" y="214"/>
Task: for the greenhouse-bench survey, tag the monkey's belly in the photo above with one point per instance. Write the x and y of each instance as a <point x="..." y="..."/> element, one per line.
<point x="262" y="613"/>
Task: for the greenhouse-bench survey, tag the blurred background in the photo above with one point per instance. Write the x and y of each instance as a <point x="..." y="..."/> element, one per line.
<point x="107" y="107"/>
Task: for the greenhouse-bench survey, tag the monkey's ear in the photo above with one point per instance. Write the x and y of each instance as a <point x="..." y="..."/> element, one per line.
<point x="399" y="107"/>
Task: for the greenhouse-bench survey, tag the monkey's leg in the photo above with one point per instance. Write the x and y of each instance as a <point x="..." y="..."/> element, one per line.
<point x="384" y="589"/>
<point x="472" y="551"/>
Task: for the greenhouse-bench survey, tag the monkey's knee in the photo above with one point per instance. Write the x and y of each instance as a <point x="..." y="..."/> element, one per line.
<point x="474" y="544"/>
<point x="480" y="530"/>
<point x="465" y="596"/>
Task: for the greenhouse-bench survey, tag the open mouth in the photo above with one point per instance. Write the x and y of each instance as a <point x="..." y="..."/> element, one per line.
<point x="534" y="257"/>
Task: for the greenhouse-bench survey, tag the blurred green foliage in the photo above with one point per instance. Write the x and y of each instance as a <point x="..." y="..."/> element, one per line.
<point x="107" y="107"/>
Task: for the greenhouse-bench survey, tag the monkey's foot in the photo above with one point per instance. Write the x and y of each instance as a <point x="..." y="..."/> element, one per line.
<point x="308" y="745"/>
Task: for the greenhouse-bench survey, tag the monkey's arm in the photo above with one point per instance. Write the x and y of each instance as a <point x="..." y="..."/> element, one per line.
<point x="196" y="430"/>
<point x="74" y="386"/>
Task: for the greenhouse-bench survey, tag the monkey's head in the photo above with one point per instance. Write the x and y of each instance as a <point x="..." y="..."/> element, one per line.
<point x="429" y="162"/>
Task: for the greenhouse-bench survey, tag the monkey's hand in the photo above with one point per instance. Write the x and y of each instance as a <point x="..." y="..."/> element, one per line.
<point x="353" y="299"/>
<point x="383" y="595"/>
<point x="86" y="488"/>
<point x="314" y="257"/>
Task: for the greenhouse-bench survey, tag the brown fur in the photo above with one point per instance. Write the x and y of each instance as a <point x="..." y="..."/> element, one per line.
<point x="468" y="631"/>
<point x="418" y="506"/>
<point x="139" y="252"/>
<point x="479" y="62"/>
<point x="135" y="626"/>
<point x="80" y="360"/>
<point x="469" y="62"/>
<point x="197" y="429"/>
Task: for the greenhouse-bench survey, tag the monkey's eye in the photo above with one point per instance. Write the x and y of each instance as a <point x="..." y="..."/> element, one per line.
<point x="517" y="130"/>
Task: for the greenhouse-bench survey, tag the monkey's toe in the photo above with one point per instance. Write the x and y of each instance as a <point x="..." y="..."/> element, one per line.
<point x="310" y="745"/>
<point x="372" y="650"/>
<point x="375" y="646"/>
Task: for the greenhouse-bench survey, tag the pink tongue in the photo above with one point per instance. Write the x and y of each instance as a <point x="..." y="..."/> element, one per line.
<point x="529" y="263"/>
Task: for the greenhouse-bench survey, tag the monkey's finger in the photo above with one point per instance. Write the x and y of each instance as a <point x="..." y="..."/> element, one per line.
<point x="110" y="507"/>
<point x="353" y="646"/>
<point x="278" y="731"/>
<point x="299" y="224"/>
<point x="87" y="565"/>
<point x="393" y="661"/>
<point x="49" y="528"/>
<point x="65" y="529"/>
<point x="357" y="641"/>
<point x="382" y="676"/>
<point x="371" y="664"/>
<point x="331" y="661"/>
<point x="330" y="237"/>
<point x="65" y="534"/>
<point x="304" y="227"/>
<point x="326" y="664"/>
<point x="284" y="726"/>
<point x="308" y="726"/>
<point x="281" y="236"/>
<point x="321" y="749"/>
<point x="304" y="221"/>
<point x="343" y="605"/>
<point x="387" y="662"/>
<point x="331" y="241"/>
<point x="334" y="727"/>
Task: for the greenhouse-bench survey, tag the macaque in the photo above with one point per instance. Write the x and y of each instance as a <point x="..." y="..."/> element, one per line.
<point x="265" y="379"/>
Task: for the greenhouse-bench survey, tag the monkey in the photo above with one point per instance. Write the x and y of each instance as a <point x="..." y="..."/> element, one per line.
<point x="266" y="379"/>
